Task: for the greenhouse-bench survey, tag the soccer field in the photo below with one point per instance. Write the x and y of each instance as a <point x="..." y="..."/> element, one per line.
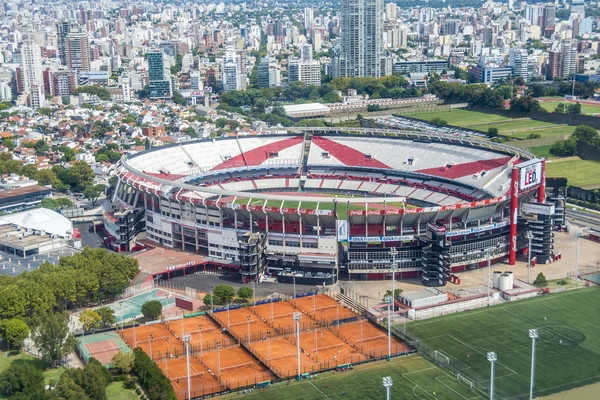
<point x="413" y="378"/>
<point x="578" y="172"/>
<point x="567" y="351"/>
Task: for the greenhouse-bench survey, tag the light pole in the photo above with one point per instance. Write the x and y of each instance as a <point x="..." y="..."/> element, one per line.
<point x="219" y="359"/>
<point x="187" y="339"/>
<point x="387" y="384"/>
<point x="212" y="306"/>
<point x="393" y="252"/>
<point x="248" y="319"/>
<point x="269" y="345"/>
<point x="272" y="310"/>
<point x="577" y="260"/>
<point x="297" y="318"/>
<point x="533" y="334"/>
<point x="492" y="358"/>
<point x="361" y="335"/>
<point x="294" y="277"/>
<point x="489" y="274"/>
<point x="151" y="355"/>
<point x="200" y="326"/>
<point x="254" y="296"/>
<point x="316" y="344"/>
<point x="228" y="320"/>
<point x="134" y="336"/>
<point x="167" y="364"/>
<point x="529" y="236"/>
<point x="388" y="299"/>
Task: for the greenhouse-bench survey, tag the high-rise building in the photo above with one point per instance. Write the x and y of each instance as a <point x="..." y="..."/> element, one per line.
<point x="31" y="63"/>
<point x="568" y="58"/>
<point x="36" y="97"/>
<point x="362" y="38"/>
<point x="63" y="28"/>
<point x="269" y="73"/>
<point x="231" y="79"/>
<point x="306" y="52"/>
<point x="159" y="84"/>
<point x="518" y="59"/>
<point x="553" y="69"/>
<point x="78" y="51"/>
<point x="308" y="72"/>
<point x="549" y="19"/>
<point x="309" y="18"/>
<point x="390" y="11"/>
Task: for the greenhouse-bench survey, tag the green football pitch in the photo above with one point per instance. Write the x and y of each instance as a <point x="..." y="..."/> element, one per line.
<point x="567" y="350"/>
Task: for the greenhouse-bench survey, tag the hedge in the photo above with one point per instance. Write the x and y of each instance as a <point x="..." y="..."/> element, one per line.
<point x="152" y="379"/>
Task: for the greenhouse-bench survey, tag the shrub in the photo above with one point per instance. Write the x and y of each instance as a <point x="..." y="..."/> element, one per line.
<point x="540" y="280"/>
<point x="493" y="131"/>
<point x="138" y="391"/>
<point x="152" y="309"/>
<point x="151" y="377"/>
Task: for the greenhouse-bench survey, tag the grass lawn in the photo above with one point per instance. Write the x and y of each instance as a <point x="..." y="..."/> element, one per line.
<point x="567" y="350"/>
<point x="541" y="152"/>
<point x="26" y="358"/>
<point x="558" y="130"/>
<point x="115" y="390"/>
<point x="582" y="173"/>
<point x="588" y="109"/>
<point x="413" y="378"/>
<point x="460" y="117"/>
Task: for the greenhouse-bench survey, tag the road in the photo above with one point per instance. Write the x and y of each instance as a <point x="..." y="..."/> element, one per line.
<point x="582" y="217"/>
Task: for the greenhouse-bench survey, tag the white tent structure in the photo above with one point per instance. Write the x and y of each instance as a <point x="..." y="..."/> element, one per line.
<point x="40" y="220"/>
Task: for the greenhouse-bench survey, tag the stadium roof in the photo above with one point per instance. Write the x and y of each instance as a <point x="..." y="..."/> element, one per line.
<point x="304" y="110"/>
<point x="40" y="219"/>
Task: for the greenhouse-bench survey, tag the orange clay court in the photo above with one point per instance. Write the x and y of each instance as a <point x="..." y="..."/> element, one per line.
<point x="374" y="340"/>
<point x="211" y="332"/>
<point x="284" y="357"/>
<point x="283" y="320"/>
<point x="323" y="308"/>
<point x="238" y="367"/>
<point x="202" y="382"/>
<point x="327" y="349"/>
<point x="158" y="337"/>
<point x="103" y="351"/>
<point x="240" y="321"/>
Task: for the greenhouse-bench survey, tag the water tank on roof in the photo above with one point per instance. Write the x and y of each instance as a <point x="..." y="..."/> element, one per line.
<point x="496" y="278"/>
<point x="504" y="282"/>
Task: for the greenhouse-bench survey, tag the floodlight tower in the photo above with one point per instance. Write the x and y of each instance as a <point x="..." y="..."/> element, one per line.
<point x="387" y="384"/>
<point x="297" y="318"/>
<point x="492" y="358"/>
<point x="389" y="300"/>
<point x="187" y="339"/>
<point x="533" y="334"/>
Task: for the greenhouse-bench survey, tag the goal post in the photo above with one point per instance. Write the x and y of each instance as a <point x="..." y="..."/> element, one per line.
<point x="441" y="358"/>
<point x="465" y="381"/>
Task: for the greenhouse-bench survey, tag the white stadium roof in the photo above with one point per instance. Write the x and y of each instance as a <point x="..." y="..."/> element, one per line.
<point x="40" y="219"/>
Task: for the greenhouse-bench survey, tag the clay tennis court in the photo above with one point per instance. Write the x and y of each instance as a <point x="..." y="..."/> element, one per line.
<point x="103" y="351"/>
<point x="283" y="320"/>
<point x="238" y="367"/>
<point x="155" y="336"/>
<point x="284" y="357"/>
<point x="374" y="340"/>
<point x="202" y="382"/>
<point x="240" y="321"/>
<point x="211" y="333"/>
<point x="323" y="309"/>
<point x="327" y="349"/>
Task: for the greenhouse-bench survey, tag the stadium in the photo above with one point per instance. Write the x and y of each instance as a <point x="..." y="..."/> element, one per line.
<point x="312" y="205"/>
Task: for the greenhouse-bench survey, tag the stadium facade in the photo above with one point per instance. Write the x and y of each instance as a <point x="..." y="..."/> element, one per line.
<point x="313" y="204"/>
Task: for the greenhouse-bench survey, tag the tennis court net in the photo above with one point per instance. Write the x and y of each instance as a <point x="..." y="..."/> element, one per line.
<point x="243" y="365"/>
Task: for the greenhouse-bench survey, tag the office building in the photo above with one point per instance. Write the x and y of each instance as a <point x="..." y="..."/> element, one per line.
<point x="63" y="28"/>
<point x="362" y="39"/>
<point x="159" y="83"/>
<point x="78" y="51"/>
<point x="269" y="73"/>
<point x="425" y="67"/>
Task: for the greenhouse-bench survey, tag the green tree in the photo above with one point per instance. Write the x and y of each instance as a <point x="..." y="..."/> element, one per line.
<point x="245" y="292"/>
<point x="122" y="362"/>
<point x="93" y="379"/>
<point x="178" y="98"/>
<point x="147" y="144"/>
<point x="23" y="380"/>
<point x="68" y="153"/>
<point x="14" y="331"/>
<point x="221" y="123"/>
<point x="540" y="280"/>
<point x="93" y="192"/>
<point x="13" y="302"/>
<point x="209" y="300"/>
<point x="493" y="131"/>
<point x="107" y="315"/>
<point x="90" y="319"/>
<point x="575" y="109"/>
<point x="41" y="147"/>
<point x="389" y="293"/>
<point x="564" y="148"/>
<point x="152" y="309"/>
<point x="52" y="337"/>
<point x="8" y="142"/>
<point x="99" y="91"/>
<point x="534" y="135"/>
<point x="438" y="121"/>
<point x="45" y="111"/>
<point x="224" y="292"/>
<point x="586" y="134"/>
<point x="80" y="176"/>
<point x="67" y="389"/>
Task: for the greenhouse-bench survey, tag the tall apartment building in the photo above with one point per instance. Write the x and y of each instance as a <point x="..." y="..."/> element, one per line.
<point x="269" y="73"/>
<point x="553" y="68"/>
<point x="308" y="72"/>
<point x="31" y="65"/>
<point x="549" y="19"/>
<point x="518" y="59"/>
<point x="362" y="39"/>
<point x="78" y="51"/>
<point x="568" y="58"/>
<point x="309" y="18"/>
<point x="231" y="76"/>
<point x="63" y="28"/>
<point x="306" y="52"/>
<point x="159" y="83"/>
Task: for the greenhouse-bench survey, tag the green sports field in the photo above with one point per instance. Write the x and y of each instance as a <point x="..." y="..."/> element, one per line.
<point x="586" y="109"/>
<point x="568" y="349"/>
<point x="460" y="117"/>
<point x="581" y="173"/>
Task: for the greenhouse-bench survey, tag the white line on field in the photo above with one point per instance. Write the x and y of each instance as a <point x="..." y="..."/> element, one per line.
<point x="440" y="381"/>
<point x="319" y="390"/>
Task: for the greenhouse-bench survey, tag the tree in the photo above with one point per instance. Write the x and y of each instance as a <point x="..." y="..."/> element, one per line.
<point x="564" y="148"/>
<point x="52" y="337"/>
<point x="22" y="379"/>
<point x="90" y="319"/>
<point x="221" y="123"/>
<point x="586" y="134"/>
<point x="14" y="331"/>
<point x="93" y="192"/>
<point x="389" y="293"/>
<point x="540" y="280"/>
<point x="438" y="121"/>
<point x="245" y="292"/>
<point x="107" y="315"/>
<point x="80" y="176"/>
<point x="209" y="300"/>
<point x="534" y="135"/>
<point x="146" y="144"/>
<point x="68" y="153"/>
<point x="67" y="389"/>
<point x="525" y="104"/>
<point x="45" y="111"/>
<point x="493" y="131"/>
<point x="575" y="109"/>
<point x="93" y="379"/>
<point x="41" y="147"/>
<point x="8" y="142"/>
<point x="152" y="309"/>
<point x="122" y="362"/>
<point x="224" y="292"/>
